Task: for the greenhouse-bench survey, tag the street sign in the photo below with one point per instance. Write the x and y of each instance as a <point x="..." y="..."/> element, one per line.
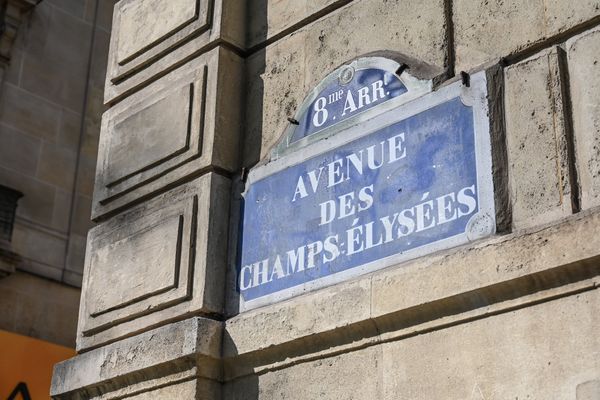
<point x="399" y="179"/>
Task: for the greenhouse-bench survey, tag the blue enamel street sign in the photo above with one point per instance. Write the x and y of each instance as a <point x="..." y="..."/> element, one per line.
<point x="413" y="179"/>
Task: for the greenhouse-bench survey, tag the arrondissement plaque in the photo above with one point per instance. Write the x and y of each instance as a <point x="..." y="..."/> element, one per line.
<point x="378" y="169"/>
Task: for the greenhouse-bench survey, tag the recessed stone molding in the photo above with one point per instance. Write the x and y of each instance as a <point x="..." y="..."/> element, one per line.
<point x="155" y="263"/>
<point x="179" y="113"/>
<point x="169" y="130"/>
<point x="152" y="37"/>
<point x="144" y="29"/>
<point x="11" y="16"/>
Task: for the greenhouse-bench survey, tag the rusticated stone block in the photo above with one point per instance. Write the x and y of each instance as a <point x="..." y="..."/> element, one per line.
<point x="19" y="152"/>
<point x="158" y="261"/>
<point x="584" y="71"/>
<point x="138" y="29"/>
<point x="153" y="36"/>
<point x="284" y="73"/>
<point x="487" y="30"/>
<point x="537" y="141"/>
<point x="30" y="114"/>
<point x="513" y="355"/>
<point x="354" y="375"/>
<point x="186" y="122"/>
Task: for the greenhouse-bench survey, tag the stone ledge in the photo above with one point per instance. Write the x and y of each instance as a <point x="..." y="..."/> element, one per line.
<point x="551" y="261"/>
<point x="193" y="344"/>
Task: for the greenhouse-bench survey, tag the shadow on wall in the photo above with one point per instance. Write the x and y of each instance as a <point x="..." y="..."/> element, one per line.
<point x="251" y="131"/>
<point x="254" y="91"/>
<point x="246" y="384"/>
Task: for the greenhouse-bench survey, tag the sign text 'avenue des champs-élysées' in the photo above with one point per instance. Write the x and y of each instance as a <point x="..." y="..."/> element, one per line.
<point x="377" y="169"/>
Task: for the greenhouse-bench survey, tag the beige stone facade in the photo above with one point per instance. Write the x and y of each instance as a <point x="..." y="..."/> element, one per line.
<point x="199" y="92"/>
<point x="50" y="108"/>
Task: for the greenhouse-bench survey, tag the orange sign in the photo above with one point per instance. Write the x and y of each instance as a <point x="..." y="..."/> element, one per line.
<point x="26" y="366"/>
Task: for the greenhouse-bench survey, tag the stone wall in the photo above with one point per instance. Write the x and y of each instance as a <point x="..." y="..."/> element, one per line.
<point x="203" y="95"/>
<point x="39" y="308"/>
<point x="50" y="110"/>
<point x="42" y="111"/>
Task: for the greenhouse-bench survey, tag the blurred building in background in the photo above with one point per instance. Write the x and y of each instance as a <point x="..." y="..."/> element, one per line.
<point x="53" y="59"/>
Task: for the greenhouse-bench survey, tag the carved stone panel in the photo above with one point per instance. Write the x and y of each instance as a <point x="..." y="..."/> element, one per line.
<point x="143" y="128"/>
<point x="169" y="130"/>
<point x="152" y="36"/>
<point x="144" y="25"/>
<point x="155" y="262"/>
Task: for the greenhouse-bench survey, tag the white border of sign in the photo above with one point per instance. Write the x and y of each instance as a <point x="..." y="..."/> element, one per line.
<point x="480" y="225"/>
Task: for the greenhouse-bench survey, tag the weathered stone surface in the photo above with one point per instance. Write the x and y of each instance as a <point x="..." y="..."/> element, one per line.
<point x="140" y="24"/>
<point x="104" y="13"/>
<point x="19" y="152"/>
<point x="588" y="390"/>
<point x="355" y="375"/>
<point x="519" y="354"/>
<point x="283" y="74"/>
<point x="186" y="122"/>
<point x="28" y="113"/>
<point x="584" y="70"/>
<point x="57" y="166"/>
<point x="173" y="347"/>
<point x="76" y="258"/>
<point x="62" y="210"/>
<point x="503" y="259"/>
<point x="270" y="18"/>
<point x="487" y="30"/>
<point x="55" y="64"/>
<point x="68" y="129"/>
<point x="196" y="389"/>
<point x="86" y="172"/>
<point x="179" y="385"/>
<point x="161" y="260"/>
<point x="81" y="221"/>
<point x="157" y="132"/>
<point x="144" y="30"/>
<point x="482" y="359"/>
<point x="53" y="319"/>
<point x="184" y="390"/>
<point x="71" y="7"/>
<point x="148" y="40"/>
<point x="38" y="203"/>
<point x="152" y="251"/>
<point x="537" y="141"/>
<point x="42" y="251"/>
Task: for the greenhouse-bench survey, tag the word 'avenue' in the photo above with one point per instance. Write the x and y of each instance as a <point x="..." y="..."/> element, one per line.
<point x="342" y="169"/>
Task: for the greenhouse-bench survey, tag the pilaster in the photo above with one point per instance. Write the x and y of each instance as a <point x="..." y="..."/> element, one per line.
<point x="152" y="296"/>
